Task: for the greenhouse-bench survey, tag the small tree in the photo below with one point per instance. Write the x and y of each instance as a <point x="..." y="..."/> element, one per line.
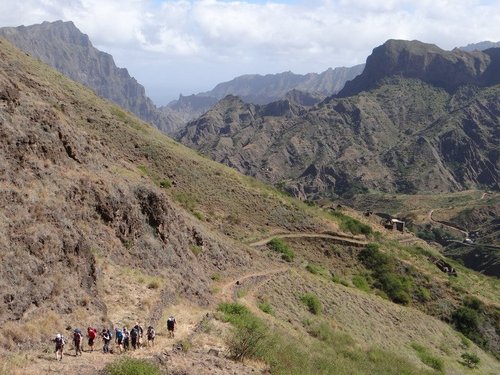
<point x="246" y="338"/>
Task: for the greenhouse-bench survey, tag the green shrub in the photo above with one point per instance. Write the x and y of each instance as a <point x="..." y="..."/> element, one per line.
<point x="186" y="201"/>
<point x="398" y="288"/>
<point x="196" y="250"/>
<point x="312" y="302"/>
<point x="165" y="183"/>
<point x="216" y="277"/>
<point x="424" y="294"/>
<point x="198" y="215"/>
<point x="276" y="244"/>
<point x="466" y="320"/>
<point x="474" y="303"/>
<point x="350" y="224"/>
<point x="361" y="283"/>
<point x="266" y="307"/>
<point x="249" y="333"/>
<point x="132" y="366"/>
<point x="318" y="270"/>
<point x="471" y="359"/>
<point x="427" y="358"/>
<point x="232" y="309"/>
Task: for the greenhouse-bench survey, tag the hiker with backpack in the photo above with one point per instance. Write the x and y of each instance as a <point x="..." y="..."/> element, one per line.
<point x="171" y="326"/>
<point x="91" y="334"/>
<point x="77" y="341"/>
<point x="140" y="332"/>
<point x="151" y="336"/>
<point x="59" y="341"/>
<point x="134" y="336"/>
<point x="126" y="339"/>
<point x="119" y="339"/>
<point x="106" y="338"/>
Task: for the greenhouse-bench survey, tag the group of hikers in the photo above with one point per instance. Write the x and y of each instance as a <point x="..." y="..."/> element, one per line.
<point x="124" y="339"/>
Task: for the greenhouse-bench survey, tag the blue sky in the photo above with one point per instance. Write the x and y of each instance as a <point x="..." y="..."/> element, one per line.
<point x="188" y="46"/>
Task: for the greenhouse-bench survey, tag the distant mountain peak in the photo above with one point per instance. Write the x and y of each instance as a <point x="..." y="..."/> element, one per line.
<point x="63" y="46"/>
<point x="427" y="62"/>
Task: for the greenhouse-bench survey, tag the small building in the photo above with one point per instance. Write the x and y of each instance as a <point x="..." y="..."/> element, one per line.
<point x="395" y="224"/>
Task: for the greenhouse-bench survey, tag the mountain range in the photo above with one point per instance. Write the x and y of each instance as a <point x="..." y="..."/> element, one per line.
<point x="107" y="222"/>
<point x="67" y="49"/>
<point x="418" y="119"/>
<point x="259" y="89"/>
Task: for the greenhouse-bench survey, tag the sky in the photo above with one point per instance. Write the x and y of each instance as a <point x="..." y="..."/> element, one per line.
<point x="188" y="46"/>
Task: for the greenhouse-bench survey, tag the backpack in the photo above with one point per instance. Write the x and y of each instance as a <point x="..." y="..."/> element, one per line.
<point x="134" y="333"/>
<point x="170" y="322"/>
<point x="77" y="336"/>
<point x="59" y="341"/>
<point x="109" y="334"/>
<point x="92" y="333"/>
<point x="151" y="333"/>
<point x="119" y="334"/>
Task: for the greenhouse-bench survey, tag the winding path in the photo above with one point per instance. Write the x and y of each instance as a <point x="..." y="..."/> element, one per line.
<point x="339" y="239"/>
<point x="429" y="216"/>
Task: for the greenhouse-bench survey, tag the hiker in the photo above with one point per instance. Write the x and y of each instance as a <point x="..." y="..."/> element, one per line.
<point x="77" y="341"/>
<point x="126" y="339"/>
<point x="140" y="332"/>
<point x="171" y="326"/>
<point x="106" y="338"/>
<point x="91" y="334"/>
<point x="134" y="335"/>
<point x="151" y="336"/>
<point x="59" y="341"/>
<point x="119" y="338"/>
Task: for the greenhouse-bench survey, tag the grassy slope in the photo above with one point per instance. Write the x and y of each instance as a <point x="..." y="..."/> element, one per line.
<point x="217" y="200"/>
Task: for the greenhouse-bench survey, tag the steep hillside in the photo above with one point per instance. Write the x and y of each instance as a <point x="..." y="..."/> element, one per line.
<point x="64" y="47"/>
<point x="258" y="89"/>
<point x="105" y="221"/>
<point x="84" y="189"/>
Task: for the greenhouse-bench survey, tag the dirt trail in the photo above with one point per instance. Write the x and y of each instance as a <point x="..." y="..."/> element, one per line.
<point x="229" y="291"/>
<point x="429" y="217"/>
<point x="340" y="239"/>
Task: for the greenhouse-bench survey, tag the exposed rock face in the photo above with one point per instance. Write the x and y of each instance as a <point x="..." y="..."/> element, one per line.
<point x="427" y="62"/>
<point x="435" y="131"/>
<point x="64" y="47"/>
<point x="258" y="89"/>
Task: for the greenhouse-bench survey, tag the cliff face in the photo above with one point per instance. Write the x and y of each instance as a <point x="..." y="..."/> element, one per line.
<point x="428" y="63"/>
<point x="64" y="47"/>
<point x="429" y="122"/>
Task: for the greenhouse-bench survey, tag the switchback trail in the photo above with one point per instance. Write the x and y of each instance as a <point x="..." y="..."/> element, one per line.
<point x="252" y="280"/>
<point x="337" y="238"/>
<point x="429" y="216"/>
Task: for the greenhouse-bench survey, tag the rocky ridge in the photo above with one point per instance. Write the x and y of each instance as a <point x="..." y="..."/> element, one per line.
<point x="394" y="128"/>
<point x="64" y="47"/>
<point x="259" y="89"/>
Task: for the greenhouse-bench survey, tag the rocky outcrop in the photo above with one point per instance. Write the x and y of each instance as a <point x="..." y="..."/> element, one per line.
<point x="64" y="47"/>
<point x="428" y="63"/>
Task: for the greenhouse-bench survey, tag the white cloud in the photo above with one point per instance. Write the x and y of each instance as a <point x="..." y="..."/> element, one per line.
<point x="260" y="36"/>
